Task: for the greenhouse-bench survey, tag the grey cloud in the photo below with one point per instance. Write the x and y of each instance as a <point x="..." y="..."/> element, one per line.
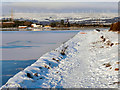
<point x="60" y="7"/>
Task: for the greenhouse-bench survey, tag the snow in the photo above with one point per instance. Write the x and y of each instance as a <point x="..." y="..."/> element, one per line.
<point x="59" y="16"/>
<point x="89" y="62"/>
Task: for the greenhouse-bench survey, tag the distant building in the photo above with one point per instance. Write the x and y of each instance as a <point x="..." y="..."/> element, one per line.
<point x="36" y="26"/>
<point x="47" y="27"/>
<point x="22" y="27"/>
<point x="7" y="24"/>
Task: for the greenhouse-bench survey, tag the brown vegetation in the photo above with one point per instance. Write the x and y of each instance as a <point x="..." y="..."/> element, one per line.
<point x="29" y="75"/>
<point x="107" y="64"/>
<point x="117" y="62"/>
<point x="115" y="27"/>
<point x="47" y="67"/>
<point x="36" y="74"/>
<point x="116" y="69"/>
<point x="55" y="59"/>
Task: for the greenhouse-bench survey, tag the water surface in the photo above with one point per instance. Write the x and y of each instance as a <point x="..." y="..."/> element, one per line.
<point x="12" y="67"/>
<point x="29" y="45"/>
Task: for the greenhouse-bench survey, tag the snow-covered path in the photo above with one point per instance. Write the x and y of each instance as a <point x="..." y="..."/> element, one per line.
<point x="88" y="60"/>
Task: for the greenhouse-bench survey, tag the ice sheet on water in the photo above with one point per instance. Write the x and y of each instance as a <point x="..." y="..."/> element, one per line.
<point x="33" y="44"/>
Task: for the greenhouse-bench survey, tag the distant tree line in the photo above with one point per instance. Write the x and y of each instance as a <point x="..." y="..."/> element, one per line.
<point x="22" y="23"/>
<point x="61" y="23"/>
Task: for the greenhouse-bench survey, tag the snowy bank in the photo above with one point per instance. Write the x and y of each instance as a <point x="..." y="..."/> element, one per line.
<point x="88" y="60"/>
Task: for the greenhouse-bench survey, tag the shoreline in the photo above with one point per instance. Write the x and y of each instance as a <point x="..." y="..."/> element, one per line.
<point x="27" y="59"/>
<point x="53" y="29"/>
<point x="39" y="60"/>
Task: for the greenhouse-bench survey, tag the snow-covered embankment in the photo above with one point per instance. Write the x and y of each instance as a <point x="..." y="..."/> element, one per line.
<point x="88" y="60"/>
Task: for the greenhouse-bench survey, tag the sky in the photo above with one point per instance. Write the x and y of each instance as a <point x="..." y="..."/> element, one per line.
<point x="60" y="7"/>
<point x="60" y="0"/>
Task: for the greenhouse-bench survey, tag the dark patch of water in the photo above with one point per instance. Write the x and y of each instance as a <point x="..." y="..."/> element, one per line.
<point x="12" y="67"/>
